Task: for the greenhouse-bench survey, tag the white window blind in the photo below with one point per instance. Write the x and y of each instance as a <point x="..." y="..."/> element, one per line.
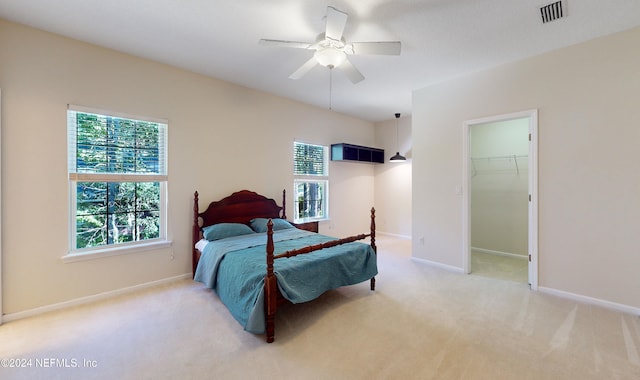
<point x="309" y="159"/>
<point x="107" y="143"/>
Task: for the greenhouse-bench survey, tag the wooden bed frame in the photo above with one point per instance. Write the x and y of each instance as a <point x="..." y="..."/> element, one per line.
<point x="241" y="207"/>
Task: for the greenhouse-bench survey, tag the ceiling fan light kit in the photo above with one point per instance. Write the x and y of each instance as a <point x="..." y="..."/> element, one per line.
<point x="330" y="57"/>
<point x="331" y="49"/>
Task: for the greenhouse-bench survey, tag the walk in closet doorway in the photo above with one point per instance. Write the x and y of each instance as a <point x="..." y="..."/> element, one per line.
<point x="1" y="207"/>
<point x="500" y="203"/>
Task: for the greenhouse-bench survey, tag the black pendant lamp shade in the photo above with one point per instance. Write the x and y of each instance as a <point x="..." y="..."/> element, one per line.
<point x="397" y="157"/>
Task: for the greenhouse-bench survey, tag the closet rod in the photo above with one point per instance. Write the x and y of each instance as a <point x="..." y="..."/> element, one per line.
<point x="513" y="157"/>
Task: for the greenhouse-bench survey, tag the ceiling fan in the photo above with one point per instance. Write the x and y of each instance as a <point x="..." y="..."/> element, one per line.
<point x="331" y="49"/>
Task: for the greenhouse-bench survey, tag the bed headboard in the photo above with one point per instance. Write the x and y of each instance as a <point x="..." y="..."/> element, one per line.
<point x="239" y="207"/>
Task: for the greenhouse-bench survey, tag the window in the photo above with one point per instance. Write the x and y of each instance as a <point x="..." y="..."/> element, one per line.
<point x="311" y="184"/>
<point x="118" y="180"/>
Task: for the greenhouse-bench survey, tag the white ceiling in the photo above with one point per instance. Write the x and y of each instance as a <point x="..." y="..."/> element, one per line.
<point x="441" y="39"/>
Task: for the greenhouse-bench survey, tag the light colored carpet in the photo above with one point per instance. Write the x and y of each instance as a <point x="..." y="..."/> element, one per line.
<point x="502" y="267"/>
<point x="420" y="323"/>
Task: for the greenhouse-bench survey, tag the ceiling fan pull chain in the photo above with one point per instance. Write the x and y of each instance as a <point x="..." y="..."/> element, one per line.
<point x="330" y="87"/>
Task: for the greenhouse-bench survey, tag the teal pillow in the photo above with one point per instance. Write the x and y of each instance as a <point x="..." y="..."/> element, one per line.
<point x="260" y="224"/>
<point x="225" y="230"/>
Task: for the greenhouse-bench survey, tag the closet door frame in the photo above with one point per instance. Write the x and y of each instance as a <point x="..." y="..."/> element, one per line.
<point x="1" y="314"/>
<point x="532" y="115"/>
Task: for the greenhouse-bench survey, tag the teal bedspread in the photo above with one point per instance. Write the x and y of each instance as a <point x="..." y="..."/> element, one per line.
<point x="235" y="269"/>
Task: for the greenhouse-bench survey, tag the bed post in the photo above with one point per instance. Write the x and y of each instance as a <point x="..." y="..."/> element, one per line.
<point x="284" y="204"/>
<point x="195" y="234"/>
<point x="270" y="287"/>
<point x="373" y="242"/>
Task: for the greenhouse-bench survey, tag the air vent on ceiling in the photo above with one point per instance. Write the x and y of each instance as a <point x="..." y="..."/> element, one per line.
<point x="551" y="12"/>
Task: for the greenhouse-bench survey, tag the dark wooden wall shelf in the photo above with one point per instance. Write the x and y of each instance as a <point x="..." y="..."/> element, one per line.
<point x="350" y="152"/>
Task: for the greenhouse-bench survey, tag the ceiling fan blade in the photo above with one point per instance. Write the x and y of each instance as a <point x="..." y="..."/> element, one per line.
<point x="336" y="20"/>
<point x="386" y="48"/>
<point x="310" y="64"/>
<point x="290" y="44"/>
<point x="350" y="70"/>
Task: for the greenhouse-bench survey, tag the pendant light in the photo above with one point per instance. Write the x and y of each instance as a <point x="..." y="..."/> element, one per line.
<point x="397" y="157"/>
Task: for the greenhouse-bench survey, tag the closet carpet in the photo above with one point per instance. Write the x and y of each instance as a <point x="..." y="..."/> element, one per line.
<point x="420" y="323"/>
<point x="510" y="268"/>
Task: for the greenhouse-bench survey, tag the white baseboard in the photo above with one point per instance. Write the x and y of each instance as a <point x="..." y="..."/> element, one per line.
<point x="499" y="253"/>
<point x="590" y="300"/>
<point x="92" y="298"/>
<point x="405" y="237"/>
<point x="449" y="268"/>
<point x="559" y="293"/>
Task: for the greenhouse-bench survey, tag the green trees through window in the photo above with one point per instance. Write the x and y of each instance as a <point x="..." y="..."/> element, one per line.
<point x="116" y="212"/>
<point x="117" y="167"/>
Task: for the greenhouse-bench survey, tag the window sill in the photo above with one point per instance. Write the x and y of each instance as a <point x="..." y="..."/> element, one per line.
<point x="309" y="220"/>
<point x="114" y="251"/>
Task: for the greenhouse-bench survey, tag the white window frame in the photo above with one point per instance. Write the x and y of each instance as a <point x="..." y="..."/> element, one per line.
<point x="75" y="254"/>
<point x="311" y="178"/>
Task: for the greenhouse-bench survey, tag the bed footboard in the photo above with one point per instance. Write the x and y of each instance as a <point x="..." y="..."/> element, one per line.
<point x="271" y="284"/>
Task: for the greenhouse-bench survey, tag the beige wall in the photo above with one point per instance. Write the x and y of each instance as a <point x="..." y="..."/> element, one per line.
<point x="393" y="180"/>
<point x="210" y="121"/>
<point x="587" y="97"/>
